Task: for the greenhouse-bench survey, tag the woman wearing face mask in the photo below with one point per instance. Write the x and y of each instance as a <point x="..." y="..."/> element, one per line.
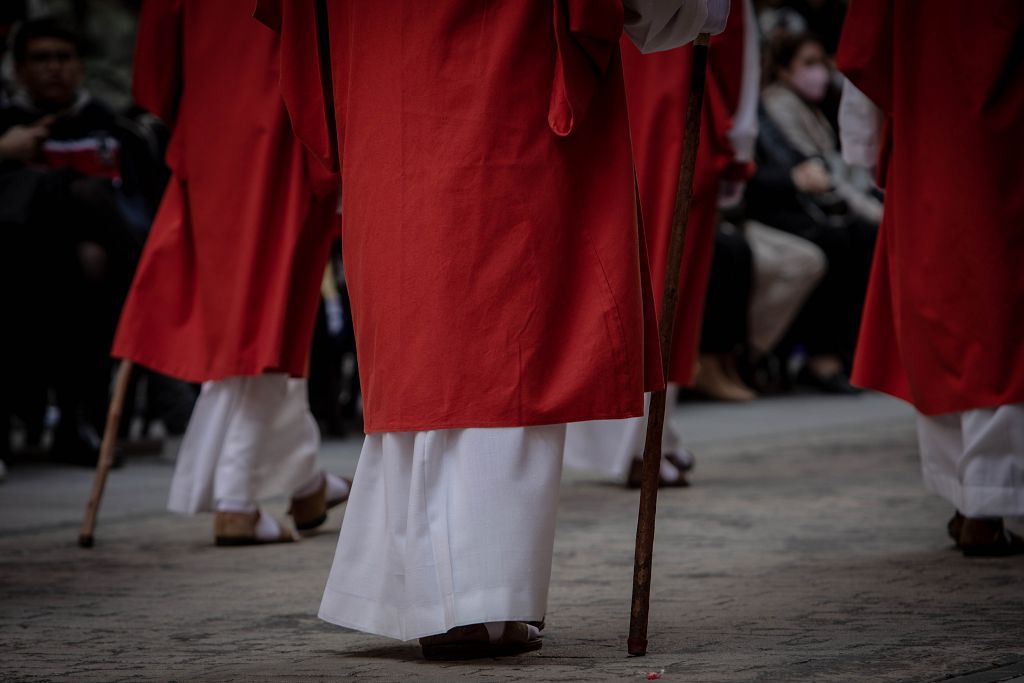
<point x="801" y="81"/>
<point x="803" y="186"/>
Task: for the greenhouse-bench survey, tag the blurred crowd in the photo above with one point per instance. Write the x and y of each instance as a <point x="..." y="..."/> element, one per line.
<point x="793" y="250"/>
<point x="82" y="172"/>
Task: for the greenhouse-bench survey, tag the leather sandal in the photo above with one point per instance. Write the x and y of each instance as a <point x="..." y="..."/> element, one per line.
<point x="684" y="460"/>
<point x="955" y="526"/>
<point x="239" y="528"/>
<point x="309" y="512"/>
<point x="474" y="642"/>
<point x="636" y="477"/>
<point x="988" y="538"/>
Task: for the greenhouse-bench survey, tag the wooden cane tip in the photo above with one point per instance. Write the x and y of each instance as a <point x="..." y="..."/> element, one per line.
<point x="85" y="540"/>
<point x="637" y="647"/>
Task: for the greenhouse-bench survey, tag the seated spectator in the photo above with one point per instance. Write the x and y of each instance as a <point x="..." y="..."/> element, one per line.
<point x="803" y="187"/>
<point x="724" y="331"/>
<point x="67" y="176"/>
<point x="787" y="268"/>
<point x="801" y="79"/>
<point x="760" y="279"/>
<point x="107" y="31"/>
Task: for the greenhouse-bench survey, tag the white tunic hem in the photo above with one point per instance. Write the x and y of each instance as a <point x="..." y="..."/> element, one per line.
<point x="420" y="621"/>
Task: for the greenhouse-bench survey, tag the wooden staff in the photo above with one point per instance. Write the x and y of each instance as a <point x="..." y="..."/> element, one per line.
<point x="640" y="610"/>
<point x="106" y="459"/>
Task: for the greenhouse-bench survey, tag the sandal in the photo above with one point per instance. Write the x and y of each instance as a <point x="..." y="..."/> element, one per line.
<point x="636" y="476"/>
<point x="309" y="512"/>
<point x="684" y="460"/>
<point x="474" y="642"/>
<point x="988" y="538"/>
<point x="239" y="528"/>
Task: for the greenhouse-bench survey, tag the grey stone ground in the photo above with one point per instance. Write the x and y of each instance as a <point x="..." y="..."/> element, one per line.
<point x="807" y="549"/>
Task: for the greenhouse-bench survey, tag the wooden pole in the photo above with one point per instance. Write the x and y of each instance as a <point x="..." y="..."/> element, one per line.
<point x="106" y="459"/>
<point x="640" y="609"/>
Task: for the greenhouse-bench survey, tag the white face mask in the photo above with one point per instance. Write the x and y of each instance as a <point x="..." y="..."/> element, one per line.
<point x="810" y="82"/>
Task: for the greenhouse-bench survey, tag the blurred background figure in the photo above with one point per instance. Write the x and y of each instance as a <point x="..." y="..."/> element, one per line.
<point x="107" y="32"/>
<point x="786" y="269"/>
<point x="802" y="186"/>
<point x="725" y="329"/>
<point x="76" y="196"/>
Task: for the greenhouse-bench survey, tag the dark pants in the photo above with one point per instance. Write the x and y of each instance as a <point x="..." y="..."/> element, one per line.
<point x="728" y="298"/>
<point x="67" y="259"/>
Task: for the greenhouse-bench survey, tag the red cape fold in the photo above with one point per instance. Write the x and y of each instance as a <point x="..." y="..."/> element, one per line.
<point x="229" y="280"/>
<point x="943" y="325"/>
<point x="491" y="243"/>
<point x="658" y="88"/>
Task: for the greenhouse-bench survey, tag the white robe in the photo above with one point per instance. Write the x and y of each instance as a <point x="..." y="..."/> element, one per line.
<point x="248" y="438"/>
<point x="609" y="446"/>
<point x="975" y="459"/>
<point x="447" y="528"/>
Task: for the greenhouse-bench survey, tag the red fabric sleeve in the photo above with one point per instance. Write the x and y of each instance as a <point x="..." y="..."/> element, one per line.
<point x="865" y="52"/>
<point x="268" y="13"/>
<point x="300" y="78"/>
<point x="156" y="76"/>
<point x="722" y="91"/>
<point x="587" y="38"/>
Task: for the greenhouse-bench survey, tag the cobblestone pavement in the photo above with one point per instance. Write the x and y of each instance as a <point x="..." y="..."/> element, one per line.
<point x="803" y="553"/>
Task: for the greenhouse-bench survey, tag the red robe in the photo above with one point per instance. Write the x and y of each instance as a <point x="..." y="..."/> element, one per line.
<point x="491" y="243"/>
<point x="229" y="280"/>
<point x="658" y="87"/>
<point x="943" y="326"/>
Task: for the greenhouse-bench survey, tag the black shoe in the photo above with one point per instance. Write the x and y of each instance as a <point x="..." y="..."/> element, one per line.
<point x="988" y="538"/>
<point x="636" y="477"/>
<point x="837" y="383"/>
<point x="955" y="526"/>
<point x="474" y="642"/>
<point x="683" y="460"/>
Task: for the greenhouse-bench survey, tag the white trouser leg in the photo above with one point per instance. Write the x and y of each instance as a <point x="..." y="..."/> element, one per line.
<point x="249" y="438"/>
<point x="447" y="528"/>
<point x="975" y="459"/>
<point x="609" y="446"/>
<point x="672" y="437"/>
